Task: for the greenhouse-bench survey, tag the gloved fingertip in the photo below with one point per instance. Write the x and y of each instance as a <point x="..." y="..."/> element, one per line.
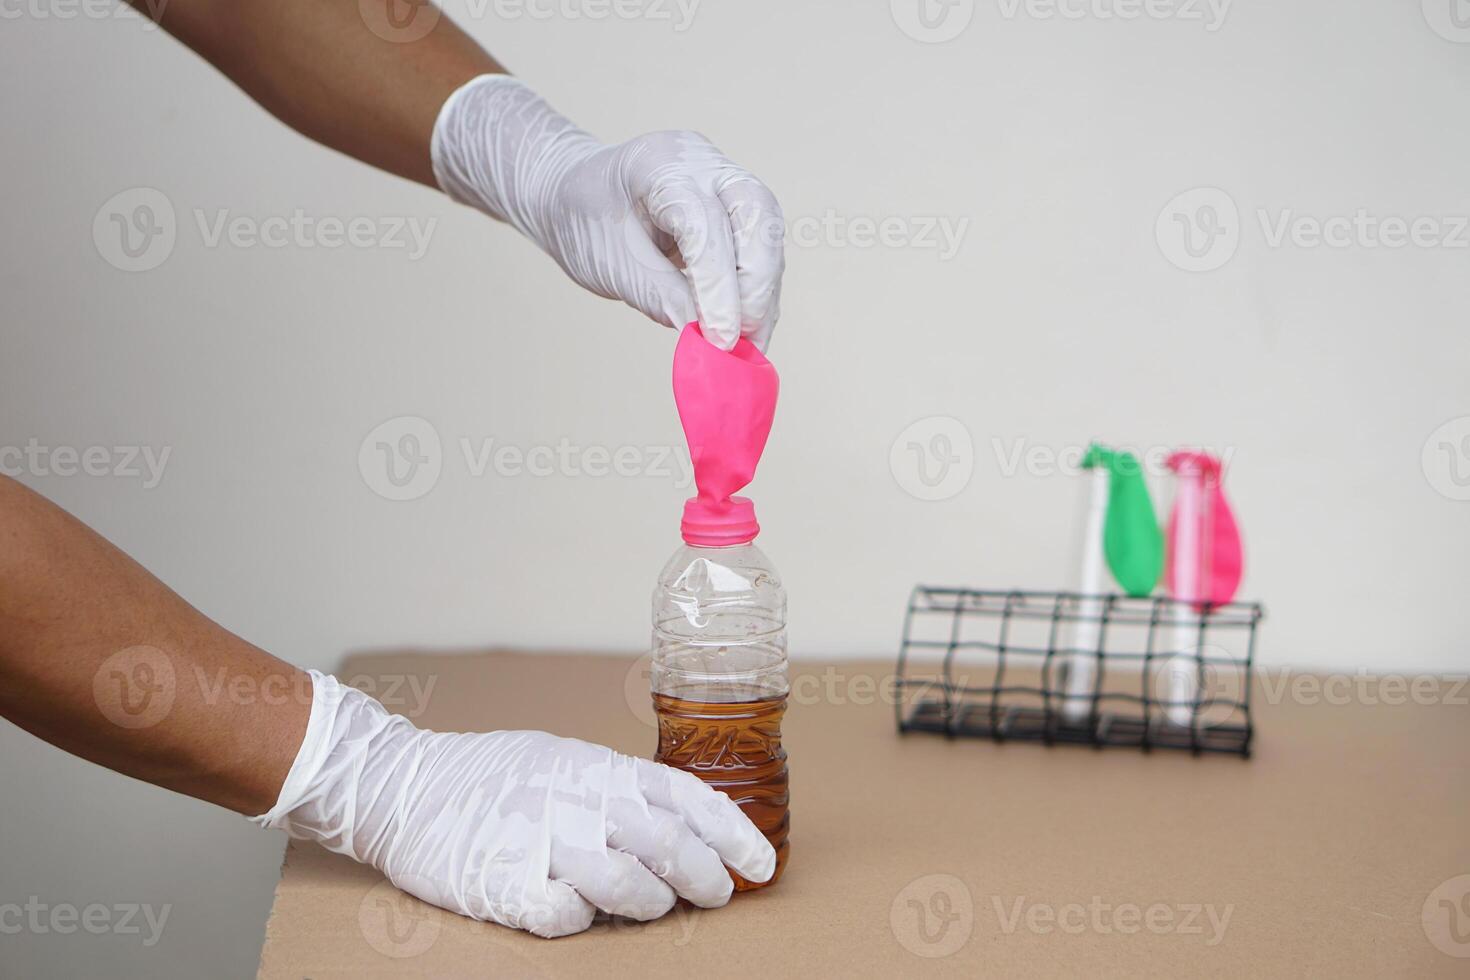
<point x="747" y="850"/>
<point x="716" y="894"/>
<point x="646" y="908"/>
<point x="562" y="912"/>
<point x="761" y="866"/>
<point x="760" y="335"/>
<point x="563" y="926"/>
<point x="723" y="337"/>
<point x="670" y="303"/>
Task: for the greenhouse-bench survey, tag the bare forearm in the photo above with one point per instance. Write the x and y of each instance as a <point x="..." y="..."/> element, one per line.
<point x="101" y="659"/>
<point x="318" y="66"/>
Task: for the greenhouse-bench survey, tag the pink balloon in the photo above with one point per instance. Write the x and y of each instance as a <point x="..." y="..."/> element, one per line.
<point x="727" y="401"/>
<point x="1203" y="567"/>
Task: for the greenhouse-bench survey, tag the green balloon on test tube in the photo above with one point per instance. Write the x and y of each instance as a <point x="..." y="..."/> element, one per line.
<point x="1133" y="542"/>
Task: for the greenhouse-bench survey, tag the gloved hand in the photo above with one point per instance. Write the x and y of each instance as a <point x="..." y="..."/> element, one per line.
<point x="526" y="829"/>
<point x="663" y="222"/>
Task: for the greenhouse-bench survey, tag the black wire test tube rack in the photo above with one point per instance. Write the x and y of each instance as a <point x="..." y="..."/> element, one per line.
<point x="995" y="664"/>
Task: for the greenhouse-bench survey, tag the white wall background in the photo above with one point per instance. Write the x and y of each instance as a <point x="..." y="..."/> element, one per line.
<point x="1325" y="371"/>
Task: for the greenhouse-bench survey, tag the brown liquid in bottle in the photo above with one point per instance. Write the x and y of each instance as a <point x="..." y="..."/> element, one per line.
<point x="733" y="745"/>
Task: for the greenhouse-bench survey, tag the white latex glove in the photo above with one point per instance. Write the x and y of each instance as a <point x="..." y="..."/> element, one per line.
<point x="525" y="829"/>
<point x="663" y="222"/>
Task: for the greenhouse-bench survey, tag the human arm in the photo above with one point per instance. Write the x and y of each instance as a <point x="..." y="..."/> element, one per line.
<point x="523" y="828"/>
<point x="663" y="222"/>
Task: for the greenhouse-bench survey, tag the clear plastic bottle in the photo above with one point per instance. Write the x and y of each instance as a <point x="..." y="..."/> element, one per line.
<point x="720" y="682"/>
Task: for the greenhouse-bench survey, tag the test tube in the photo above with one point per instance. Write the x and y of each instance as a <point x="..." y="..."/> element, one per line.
<point x="1086" y="633"/>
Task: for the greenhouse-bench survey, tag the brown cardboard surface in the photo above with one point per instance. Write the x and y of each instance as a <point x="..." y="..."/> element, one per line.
<point x="1321" y="856"/>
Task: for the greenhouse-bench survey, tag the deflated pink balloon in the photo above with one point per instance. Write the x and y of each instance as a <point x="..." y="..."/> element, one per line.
<point x="1204" y="557"/>
<point x="727" y="401"/>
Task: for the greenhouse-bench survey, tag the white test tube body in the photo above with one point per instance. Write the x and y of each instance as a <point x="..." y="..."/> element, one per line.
<point x="1087" y="630"/>
<point x="1180" y="681"/>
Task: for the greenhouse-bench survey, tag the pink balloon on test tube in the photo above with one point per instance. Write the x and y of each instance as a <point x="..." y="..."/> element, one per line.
<point x="1202" y="568"/>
